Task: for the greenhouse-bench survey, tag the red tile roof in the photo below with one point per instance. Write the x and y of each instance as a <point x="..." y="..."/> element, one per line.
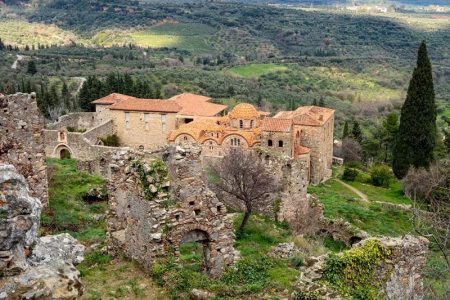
<point x="112" y="98"/>
<point x="276" y="124"/>
<point x="300" y="150"/>
<point x="150" y="105"/>
<point x="307" y="115"/>
<point x="197" y="105"/>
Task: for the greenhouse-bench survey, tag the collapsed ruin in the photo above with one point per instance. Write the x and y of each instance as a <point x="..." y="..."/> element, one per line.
<point x="156" y="205"/>
<point x="33" y="267"/>
<point x="22" y="141"/>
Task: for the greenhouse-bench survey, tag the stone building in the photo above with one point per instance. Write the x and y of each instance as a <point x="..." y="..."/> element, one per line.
<point x="307" y="131"/>
<point x="153" y="210"/>
<point x="22" y="140"/>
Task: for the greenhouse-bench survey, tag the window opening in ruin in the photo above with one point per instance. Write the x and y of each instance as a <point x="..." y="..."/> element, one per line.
<point x="185" y="138"/>
<point x="188" y="120"/>
<point x="191" y="202"/>
<point x="219" y="208"/>
<point x="195" y="250"/>
<point x="177" y="217"/>
<point x="241" y="124"/>
<point x="251" y="123"/>
<point x="146" y="121"/>
<point x="269" y="143"/>
<point x="280" y="143"/>
<point x="197" y="212"/>
<point x="141" y="147"/>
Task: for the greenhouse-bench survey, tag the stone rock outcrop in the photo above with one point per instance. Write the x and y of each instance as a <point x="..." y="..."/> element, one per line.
<point x="22" y="141"/>
<point x="32" y="267"/>
<point x="399" y="274"/>
<point x="155" y="206"/>
<point x="19" y="221"/>
<point x="284" y="250"/>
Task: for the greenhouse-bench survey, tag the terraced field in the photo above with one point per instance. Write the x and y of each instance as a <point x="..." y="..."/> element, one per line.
<point x="256" y="70"/>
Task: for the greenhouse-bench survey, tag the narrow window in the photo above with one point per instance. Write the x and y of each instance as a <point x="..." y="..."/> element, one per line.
<point x="280" y="143"/>
<point x="269" y="143"/>
<point x="251" y="123"/>
<point x="241" y="124"/>
<point x="163" y="123"/>
<point x="146" y="121"/>
<point x="185" y="138"/>
<point x="238" y="141"/>
<point x="127" y="120"/>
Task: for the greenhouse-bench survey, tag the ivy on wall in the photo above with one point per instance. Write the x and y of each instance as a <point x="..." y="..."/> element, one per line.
<point x="354" y="272"/>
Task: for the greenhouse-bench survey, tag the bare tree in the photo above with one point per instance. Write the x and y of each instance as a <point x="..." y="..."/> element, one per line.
<point x="244" y="176"/>
<point x="351" y="150"/>
<point x="430" y="189"/>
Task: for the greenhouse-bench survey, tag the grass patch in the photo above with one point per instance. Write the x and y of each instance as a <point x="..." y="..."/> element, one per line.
<point x="393" y="194"/>
<point x="256" y="70"/>
<point x="67" y="212"/>
<point x="340" y="202"/>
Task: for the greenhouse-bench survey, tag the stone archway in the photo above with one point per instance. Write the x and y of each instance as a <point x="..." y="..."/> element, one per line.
<point x="63" y="152"/>
<point x="196" y="239"/>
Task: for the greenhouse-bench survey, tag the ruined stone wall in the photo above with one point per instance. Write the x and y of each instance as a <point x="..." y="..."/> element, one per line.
<point x="103" y="114"/>
<point x="146" y="221"/>
<point x="399" y="275"/>
<point x="78" y="120"/>
<point x="78" y="146"/>
<point x="101" y="131"/>
<point x="22" y="141"/>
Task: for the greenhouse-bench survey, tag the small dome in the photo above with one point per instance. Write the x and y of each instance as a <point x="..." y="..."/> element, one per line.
<point x="244" y="111"/>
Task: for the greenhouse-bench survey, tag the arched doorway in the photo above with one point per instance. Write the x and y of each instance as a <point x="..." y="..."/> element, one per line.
<point x="195" y="250"/>
<point x="64" y="153"/>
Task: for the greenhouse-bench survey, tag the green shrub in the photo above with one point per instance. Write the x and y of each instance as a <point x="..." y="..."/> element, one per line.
<point x="296" y="261"/>
<point x="111" y="140"/>
<point x="354" y="164"/>
<point x="363" y="178"/>
<point x="381" y="175"/>
<point x="350" y="174"/>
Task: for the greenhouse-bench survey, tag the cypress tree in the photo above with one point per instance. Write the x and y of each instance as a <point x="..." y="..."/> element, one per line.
<point x="416" y="137"/>
<point x="346" y="130"/>
<point x="356" y="132"/>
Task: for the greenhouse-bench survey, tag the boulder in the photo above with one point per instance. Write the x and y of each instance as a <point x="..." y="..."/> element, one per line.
<point x="57" y="247"/>
<point x="19" y="220"/>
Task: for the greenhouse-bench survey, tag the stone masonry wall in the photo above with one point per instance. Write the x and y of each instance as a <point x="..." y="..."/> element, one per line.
<point x="146" y="228"/>
<point x="400" y="274"/>
<point x="22" y="140"/>
<point x="78" y="120"/>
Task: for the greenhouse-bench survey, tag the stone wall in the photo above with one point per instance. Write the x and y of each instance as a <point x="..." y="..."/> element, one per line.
<point x="22" y="140"/>
<point x="320" y="140"/>
<point x="101" y="131"/>
<point x="147" y="221"/>
<point x="400" y="275"/>
<point x="143" y="130"/>
<point x="75" y="143"/>
<point x="78" y="120"/>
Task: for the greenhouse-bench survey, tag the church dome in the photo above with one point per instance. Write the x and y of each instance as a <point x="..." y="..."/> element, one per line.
<point x="244" y="111"/>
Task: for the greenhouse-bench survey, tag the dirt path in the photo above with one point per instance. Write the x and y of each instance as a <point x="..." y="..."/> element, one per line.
<point x="16" y="62"/>
<point x="354" y="190"/>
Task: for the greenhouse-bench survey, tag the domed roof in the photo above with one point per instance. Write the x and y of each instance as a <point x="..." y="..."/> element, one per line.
<point x="244" y="111"/>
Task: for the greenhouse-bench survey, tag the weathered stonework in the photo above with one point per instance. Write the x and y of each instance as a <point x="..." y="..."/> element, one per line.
<point x="147" y="221"/>
<point x="399" y="274"/>
<point x="33" y="267"/>
<point x="22" y="141"/>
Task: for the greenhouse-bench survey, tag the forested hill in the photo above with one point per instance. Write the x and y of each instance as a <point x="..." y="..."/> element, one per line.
<point x="242" y="28"/>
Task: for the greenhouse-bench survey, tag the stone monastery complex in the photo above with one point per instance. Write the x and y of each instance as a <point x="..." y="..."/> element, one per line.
<point x="146" y="124"/>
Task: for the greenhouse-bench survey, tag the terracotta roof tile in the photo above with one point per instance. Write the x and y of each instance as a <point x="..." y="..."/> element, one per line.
<point x="276" y="124"/>
<point x="307" y="115"/>
<point x="244" y="111"/>
<point x="150" y="105"/>
<point x="197" y="105"/>
<point x="300" y="150"/>
<point x="112" y="98"/>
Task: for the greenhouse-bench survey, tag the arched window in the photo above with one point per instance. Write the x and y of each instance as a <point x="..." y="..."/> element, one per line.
<point x="269" y="143"/>
<point x="185" y="138"/>
<point x="280" y="143"/>
<point x="241" y="124"/>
